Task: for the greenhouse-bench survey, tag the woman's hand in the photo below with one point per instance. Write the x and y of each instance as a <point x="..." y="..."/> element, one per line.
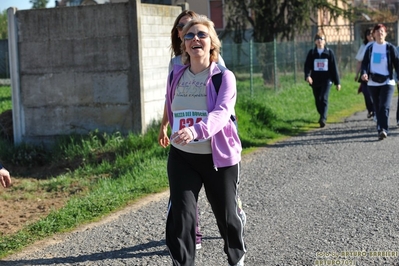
<point x="163" y="138"/>
<point x="365" y="77"/>
<point x="183" y="136"/>
<point x="5" y="179"/>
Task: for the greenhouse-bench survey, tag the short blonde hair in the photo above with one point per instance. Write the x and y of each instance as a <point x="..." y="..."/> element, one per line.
<point x="215" y="42"/>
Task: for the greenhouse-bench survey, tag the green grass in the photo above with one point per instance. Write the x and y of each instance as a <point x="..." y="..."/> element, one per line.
<point x="268" y="115"/>
<point x="107" y="172"/>
<point x="5" y="98"/>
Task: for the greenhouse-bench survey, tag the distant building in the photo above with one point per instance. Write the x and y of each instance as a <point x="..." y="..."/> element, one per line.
<point x="79" y="2"/>
<point x="214" y="8"/>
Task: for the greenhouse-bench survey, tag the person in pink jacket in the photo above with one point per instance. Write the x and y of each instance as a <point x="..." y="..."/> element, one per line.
<point x="163" y="138"/>
<point x="205" y="147"/>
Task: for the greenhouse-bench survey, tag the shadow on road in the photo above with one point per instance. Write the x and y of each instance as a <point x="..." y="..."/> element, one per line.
<point x="138" y="251"/>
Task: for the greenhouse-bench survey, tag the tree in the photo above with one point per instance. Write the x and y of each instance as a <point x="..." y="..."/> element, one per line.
<point x="282" y="19"/>
<point x="3" y="25"/>
<point x="38" y="3"/>
<point x="376" y="13"/>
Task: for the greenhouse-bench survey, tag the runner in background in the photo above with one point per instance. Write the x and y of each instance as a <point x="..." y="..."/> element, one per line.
<point x="320" y="72"/>
<point x="367" y="40"/>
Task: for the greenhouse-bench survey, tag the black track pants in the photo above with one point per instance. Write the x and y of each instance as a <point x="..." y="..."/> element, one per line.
<point x="187" y="173"/>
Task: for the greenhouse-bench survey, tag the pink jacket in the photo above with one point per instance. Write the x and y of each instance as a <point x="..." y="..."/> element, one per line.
<point x="225" y="143"/>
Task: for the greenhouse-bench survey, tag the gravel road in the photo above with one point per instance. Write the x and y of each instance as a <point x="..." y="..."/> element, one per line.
<point x="328" y="197"/>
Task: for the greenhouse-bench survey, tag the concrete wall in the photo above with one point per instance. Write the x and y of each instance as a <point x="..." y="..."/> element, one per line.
<point x="156" y="24"/>
<point x="91" y="67"/>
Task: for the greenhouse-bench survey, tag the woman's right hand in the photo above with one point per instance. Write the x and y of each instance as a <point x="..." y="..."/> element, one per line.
<point x="5" y="179"/>
<point x="163" y="138"/>
<point x="309" y="80"/>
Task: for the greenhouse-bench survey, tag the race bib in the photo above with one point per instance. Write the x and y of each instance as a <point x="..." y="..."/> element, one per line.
<point x="187" y="118"/>
<point x="321" y="64"/>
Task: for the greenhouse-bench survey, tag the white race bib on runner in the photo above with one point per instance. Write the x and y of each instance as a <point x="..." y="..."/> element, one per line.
<point x="187" y="118"/>
<point x="321" y="64"/>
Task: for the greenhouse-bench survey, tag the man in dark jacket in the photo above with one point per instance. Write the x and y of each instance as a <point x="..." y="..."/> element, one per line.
<point x="320" y="72"/>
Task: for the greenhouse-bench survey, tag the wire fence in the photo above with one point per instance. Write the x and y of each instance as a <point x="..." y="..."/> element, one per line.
<point x="4" y="60"/>
<point x="276" y="60"/>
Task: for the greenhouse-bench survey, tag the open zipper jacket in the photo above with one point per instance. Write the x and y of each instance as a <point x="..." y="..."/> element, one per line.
<point x="218" y="127"/>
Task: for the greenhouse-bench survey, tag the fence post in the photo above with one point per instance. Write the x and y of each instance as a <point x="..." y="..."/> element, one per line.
<point x="295" y="61"/>
<point x="7" y="64"/>
<point x="221" y="48"/>
<point x="251" y="72"/>
<point x="17" y="113"/>
<point x="275" y="61"/>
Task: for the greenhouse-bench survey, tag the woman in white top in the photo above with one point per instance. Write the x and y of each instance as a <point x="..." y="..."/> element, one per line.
<point x="176" y="39"/>
<point x="379" y="61"/>
<point x="205" y="148"/>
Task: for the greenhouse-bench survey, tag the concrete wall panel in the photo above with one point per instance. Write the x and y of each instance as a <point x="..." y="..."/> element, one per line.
<point x="157" y="24"/>
<point x="64" y="120"/>
<point x="35" y="90"/>
<point x="118" y="81"/>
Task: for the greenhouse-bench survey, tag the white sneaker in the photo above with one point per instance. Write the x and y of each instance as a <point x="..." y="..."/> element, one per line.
<point x="382" y="135"/>
<point x="240" y="263"/>
<point x="243" y="217"/>
<point x="241" y="213"/>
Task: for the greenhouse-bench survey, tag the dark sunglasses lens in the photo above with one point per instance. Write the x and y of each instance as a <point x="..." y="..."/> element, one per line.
<point x="202" y="35"/>
<point x="180" y="26"/>
<point x="189" y="36"/>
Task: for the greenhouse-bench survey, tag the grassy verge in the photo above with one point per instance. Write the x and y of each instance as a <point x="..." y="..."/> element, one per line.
<point x="270" y="115"/>
<point x="108" y="172"/>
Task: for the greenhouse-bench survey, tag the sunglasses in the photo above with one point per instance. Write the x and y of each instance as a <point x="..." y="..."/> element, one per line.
<point x="180" y="26"/>
<point x="320" y="39"/>
<point x="200" y="35"/>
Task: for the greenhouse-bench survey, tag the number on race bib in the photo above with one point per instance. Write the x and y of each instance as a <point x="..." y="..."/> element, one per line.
<point x="188" y="122"/>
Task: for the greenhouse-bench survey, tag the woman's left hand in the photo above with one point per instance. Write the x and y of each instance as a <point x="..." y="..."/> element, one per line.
<point x="5" y="179"/>
<point x="183" y="136"/>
